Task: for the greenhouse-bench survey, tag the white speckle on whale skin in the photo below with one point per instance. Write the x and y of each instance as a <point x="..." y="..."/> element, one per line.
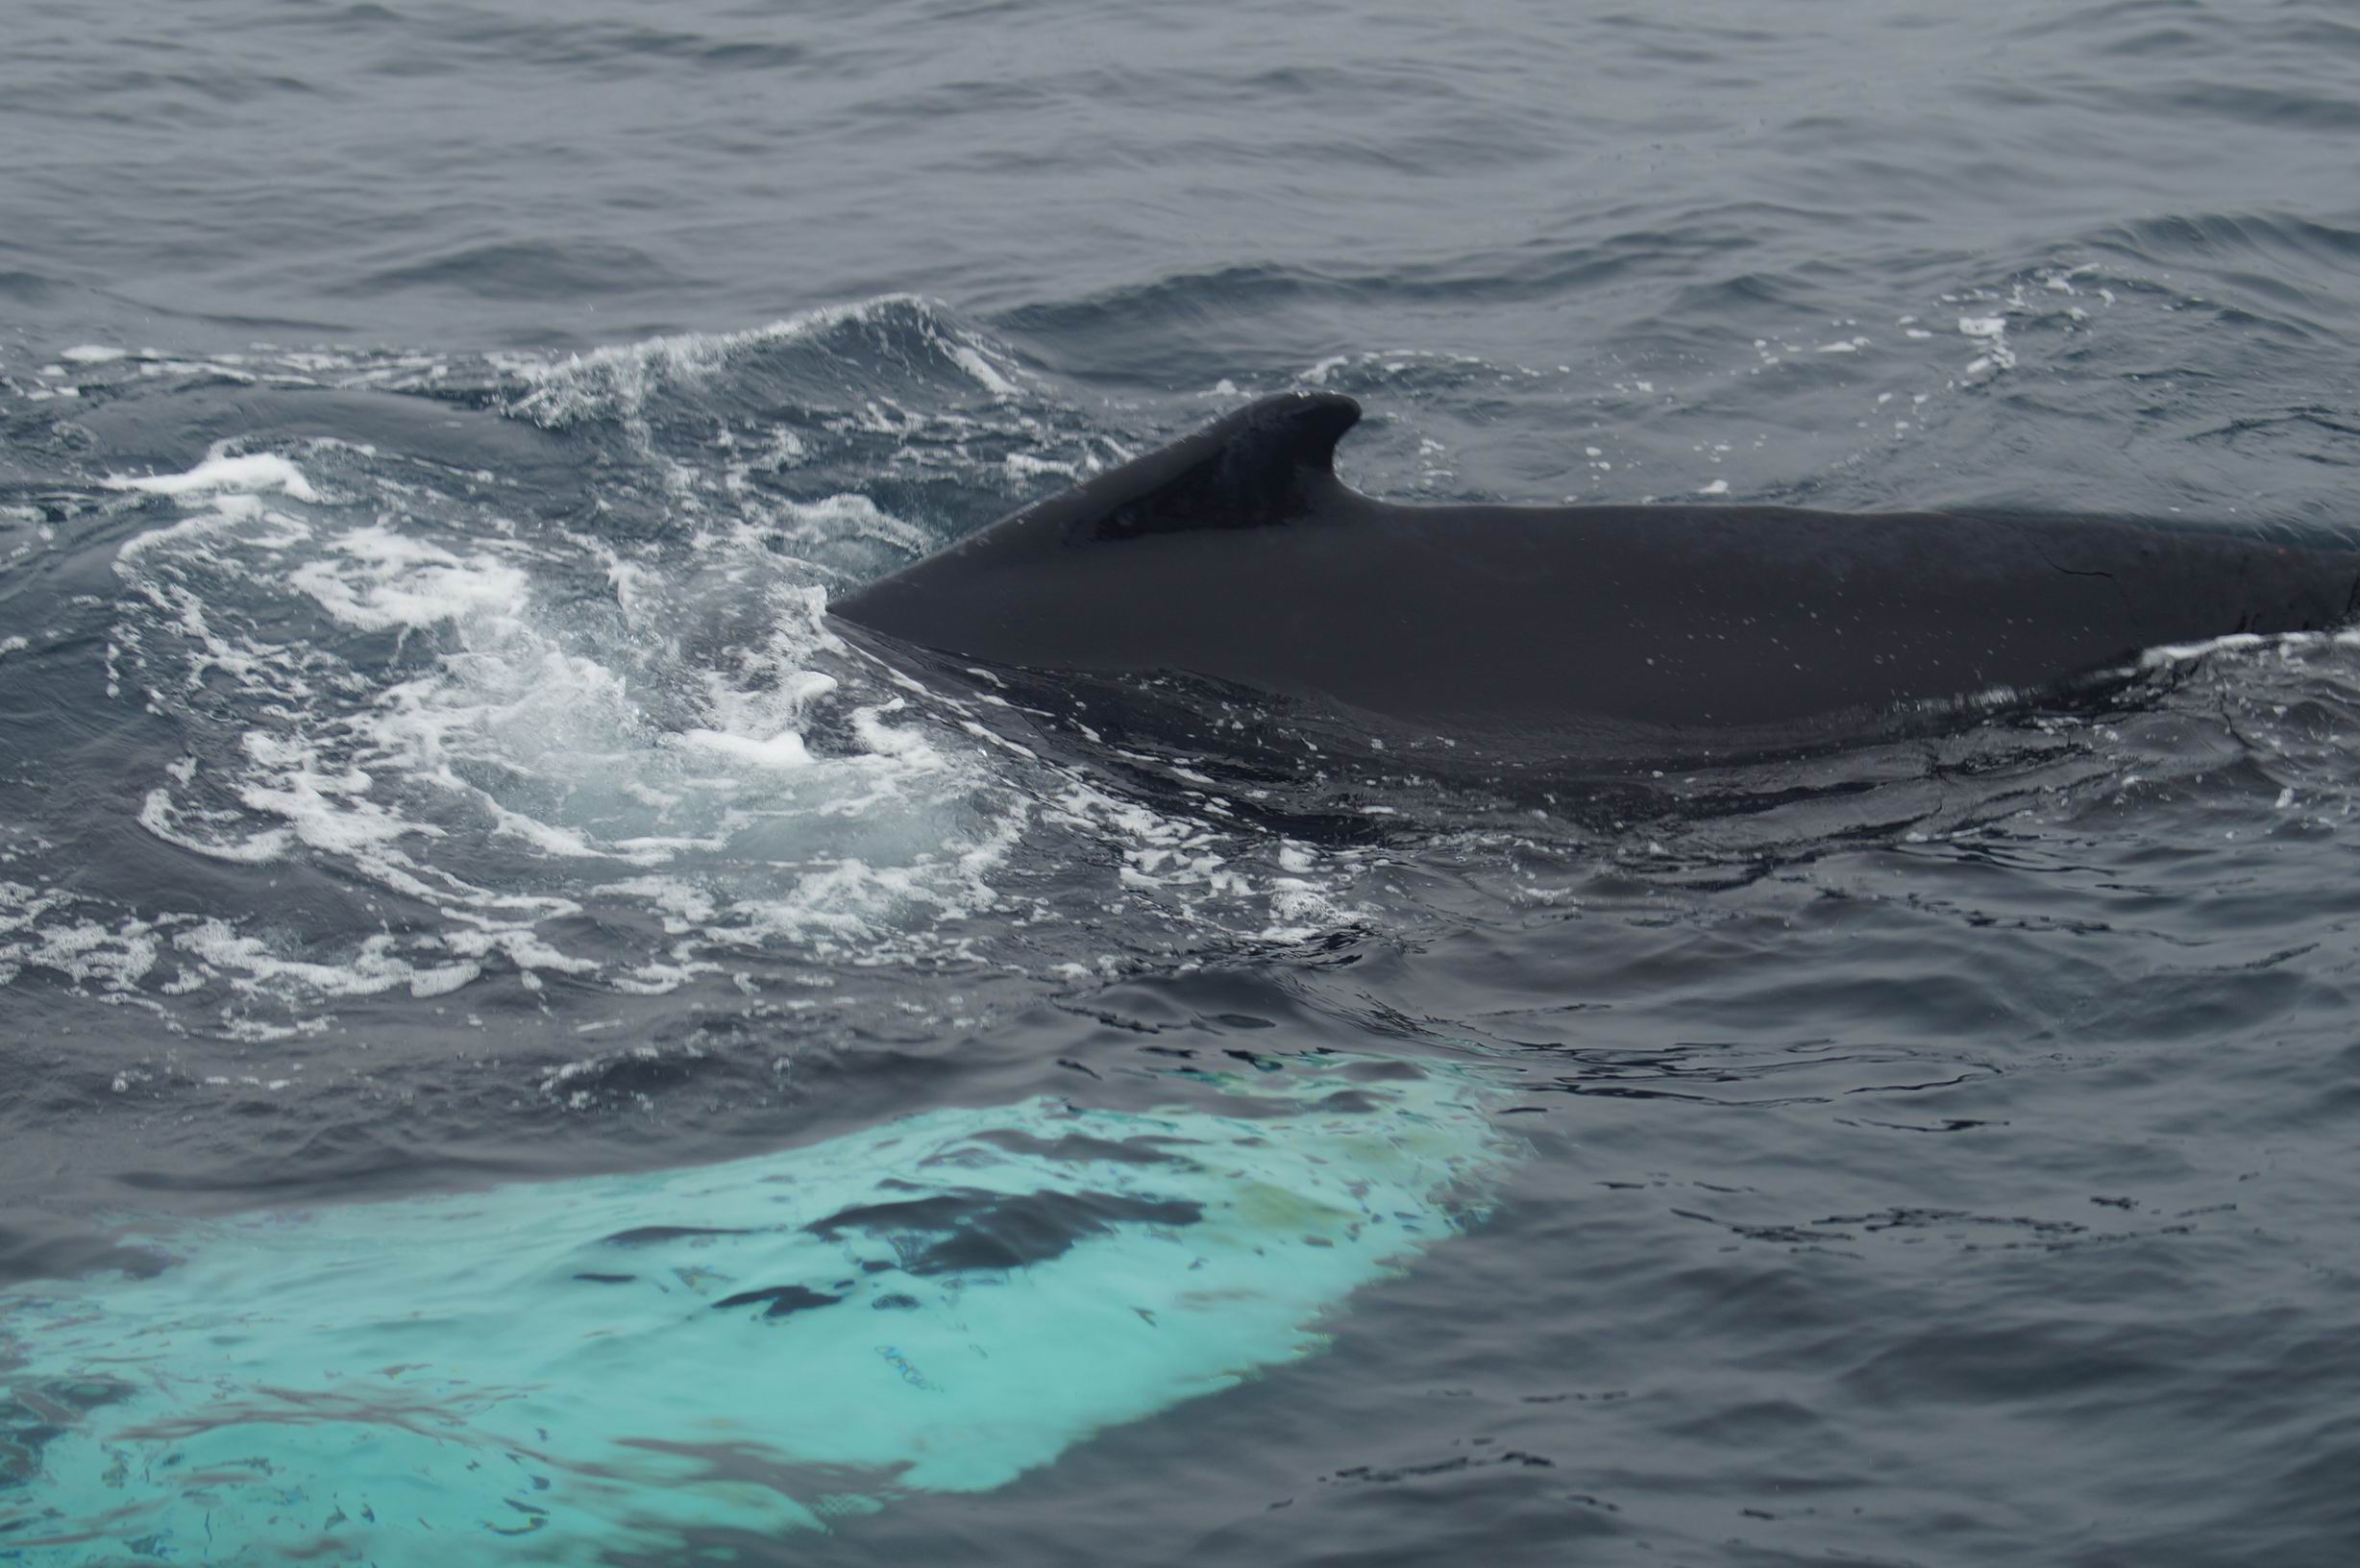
<point x="1718" y="487"/>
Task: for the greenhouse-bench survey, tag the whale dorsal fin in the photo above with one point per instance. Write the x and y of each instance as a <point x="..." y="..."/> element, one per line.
<point x="1253" y="469"/>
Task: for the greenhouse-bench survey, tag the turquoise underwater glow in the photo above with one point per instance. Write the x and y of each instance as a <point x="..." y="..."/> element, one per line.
<point x="559" y="1371"/>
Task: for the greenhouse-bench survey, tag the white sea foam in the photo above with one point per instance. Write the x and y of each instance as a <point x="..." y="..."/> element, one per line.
<point x="161" y="817"/>
<point x="227" y="512"/>
<point x="43" y="928"/>
<point x="784" y="749"/>
<point x="1990" y="332"/>
<point x="988" y="375"/>
<point x="837" y="518"/>
<point x="1025" y="466"/>
<point x="655" y="739"/>
<point x="618" y="379"/>
<point x="2166" y="655"/>
<point x="379" y="579"/>
<point x="548" y="748"/>
<point x="372" y="969"/>
<point x="254" y="471"/>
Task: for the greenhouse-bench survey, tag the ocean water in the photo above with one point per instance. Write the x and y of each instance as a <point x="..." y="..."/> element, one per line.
<point x="437" y="822"/>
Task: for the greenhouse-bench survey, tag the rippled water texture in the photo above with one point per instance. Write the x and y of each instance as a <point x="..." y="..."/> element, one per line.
<point x="470" y="929"/>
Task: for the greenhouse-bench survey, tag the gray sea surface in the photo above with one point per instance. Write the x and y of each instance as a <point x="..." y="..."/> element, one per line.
<point x="429" y="432"/>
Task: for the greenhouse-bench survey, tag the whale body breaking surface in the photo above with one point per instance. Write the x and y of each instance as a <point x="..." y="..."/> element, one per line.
<point x="1591" y="635"/>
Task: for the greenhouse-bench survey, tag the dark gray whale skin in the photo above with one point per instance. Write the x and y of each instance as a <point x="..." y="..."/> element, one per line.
<point x="1600" y="633"/>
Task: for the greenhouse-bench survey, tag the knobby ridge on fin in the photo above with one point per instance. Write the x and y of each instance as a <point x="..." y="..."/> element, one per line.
<point x="1251" y="470"/>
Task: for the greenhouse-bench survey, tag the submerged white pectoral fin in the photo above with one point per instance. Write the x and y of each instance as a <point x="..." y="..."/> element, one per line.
<point x="939" y="1304"/>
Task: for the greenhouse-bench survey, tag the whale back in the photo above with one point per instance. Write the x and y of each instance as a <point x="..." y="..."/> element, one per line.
<point x="1625" y="634"/>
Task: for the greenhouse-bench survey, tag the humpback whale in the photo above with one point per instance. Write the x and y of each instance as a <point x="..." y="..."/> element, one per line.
<point x="1587" y="636"/>
<point x="609" y="1368"/>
